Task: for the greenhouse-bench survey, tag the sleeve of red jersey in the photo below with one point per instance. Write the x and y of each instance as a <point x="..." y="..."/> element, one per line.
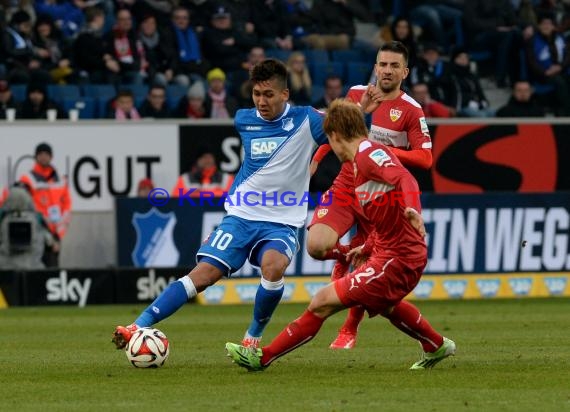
<point x="377" y="164"/>
<point x="419" y="155"/>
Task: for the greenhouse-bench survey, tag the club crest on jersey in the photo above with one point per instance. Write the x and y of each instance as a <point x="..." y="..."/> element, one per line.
<point x="322" y="213"/>
<point x="395" y="114"/>
<point x="288" y="124"/>
<point x="381" y="158"/>
<point x="265" y="147"/>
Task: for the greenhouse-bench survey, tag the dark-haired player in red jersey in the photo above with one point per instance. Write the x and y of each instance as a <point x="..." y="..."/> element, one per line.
<point x="398" y="121"/>
<point x="398" y="257"/>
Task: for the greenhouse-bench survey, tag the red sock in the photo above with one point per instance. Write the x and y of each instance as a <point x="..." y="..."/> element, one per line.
<point x="409" y="320"/>
<point x="297" y="333"/>
<point x="355" y="315"/>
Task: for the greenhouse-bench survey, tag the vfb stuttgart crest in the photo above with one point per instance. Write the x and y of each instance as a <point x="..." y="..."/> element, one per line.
<point x="322" y="213"/>
<point x="395" y="114"/>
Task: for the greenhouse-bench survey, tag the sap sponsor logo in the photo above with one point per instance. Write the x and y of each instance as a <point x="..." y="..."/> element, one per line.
<point x="63" y="289"/>
<point x="149" y="287"/>
<point x="313" y="287"/>
<point x="424" y="289"/>
<point x="488" y="287"/>
<point x="264" y="148"/>
<point x="455" y="288"/>
<point x="246" y="293"/>
<point x="381" y="158"/>
<point x="521" y="286"/>
<point x="214" y="294"/>
<point x="288" y="292"/>
<point x="555" y="286"/>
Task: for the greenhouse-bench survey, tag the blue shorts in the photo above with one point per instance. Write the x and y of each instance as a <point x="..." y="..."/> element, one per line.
<point x="237" y="239"/>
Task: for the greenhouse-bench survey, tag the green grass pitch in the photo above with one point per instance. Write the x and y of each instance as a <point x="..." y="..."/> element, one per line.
<point x="513" y="355"/>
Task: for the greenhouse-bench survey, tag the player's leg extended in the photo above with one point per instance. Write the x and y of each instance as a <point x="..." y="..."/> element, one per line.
<point x="274" y="258"/>
<point x="324" y="304"/>
<point x="170" y="300"/>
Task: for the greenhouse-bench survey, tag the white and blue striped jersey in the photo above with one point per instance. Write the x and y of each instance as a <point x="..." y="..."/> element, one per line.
<point x="274" y="175"/>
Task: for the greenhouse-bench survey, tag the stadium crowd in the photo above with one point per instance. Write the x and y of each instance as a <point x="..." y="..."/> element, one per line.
<point x="131" y="59"/>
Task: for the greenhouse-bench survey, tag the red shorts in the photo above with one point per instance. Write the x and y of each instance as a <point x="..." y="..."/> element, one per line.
<point x="379" y="284"/>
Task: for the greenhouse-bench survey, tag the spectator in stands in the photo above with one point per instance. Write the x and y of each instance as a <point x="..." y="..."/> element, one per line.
<point x="492" y="25"/>
<point x="22" y="63"/>
<point x="144" y="187"/>
<point x="7" y="100"/>
<point x="159" y="52"/>
<point x="52" y="199"/>
<point x="122" y="107"/>
<point x="190" y="65"/>
<point x="155" y="104"/>
<point x="242" y="21"/>
<point x="90" y="56"/>
<point x="434" y="71"/>
<point x="549" y="62"/>
<point x="194" y="104"/>
<point x="223" y="106"/>
<point x="522" y="103"/>
<point x="52" y="50"/>
<point x="333" y="91"/>
<point x="10" y="7"/>
<point x="270" y="22"/>
<point x="68" y="14"/>
<point x="300" y="20"/>
<point x="431" y="108"/>
<point x="335" y="27"/>
<point x="441" y="21"/>
<point x="204" y="176"/>
<point x="243" y="87"/>
<point x="37" y="103"/>
<point x="200" y="13"/>
<point x="469" y="99"/>
<point x="299" y="80"/>
<point x="160" y="9"/>
<point x="122" y="46"/>
<point x="224" y="46"/>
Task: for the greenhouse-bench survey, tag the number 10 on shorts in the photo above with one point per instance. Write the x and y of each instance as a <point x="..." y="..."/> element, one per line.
<point x="221" y="240"/>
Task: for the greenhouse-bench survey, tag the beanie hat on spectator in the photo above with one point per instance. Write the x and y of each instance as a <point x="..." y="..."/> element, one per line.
<point x="457" y="51"/>
<point x="20" y="17"/>
<point x="221" y="13"/>
<point x="197" y="91"/>
<point x="43" y="148"/>
<point x="216" y="73"/>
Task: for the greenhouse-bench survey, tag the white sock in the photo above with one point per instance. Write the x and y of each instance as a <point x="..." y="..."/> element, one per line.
<point x="268" y="285"/>
<point x="188" y="286"/>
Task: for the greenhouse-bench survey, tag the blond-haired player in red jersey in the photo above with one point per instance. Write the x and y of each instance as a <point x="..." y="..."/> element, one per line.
<point x="398" y="121"/>
<point x="395" y="265"/>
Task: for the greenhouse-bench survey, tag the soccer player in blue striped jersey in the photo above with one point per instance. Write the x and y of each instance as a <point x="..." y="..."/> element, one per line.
<point x="278" y="141"/>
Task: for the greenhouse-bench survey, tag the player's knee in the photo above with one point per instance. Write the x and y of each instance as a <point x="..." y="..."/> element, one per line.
<point x="321" y="304"/>
<point x="204" y="275"/>
<point x="273" y="270"/>
<point x="320" y="240"/>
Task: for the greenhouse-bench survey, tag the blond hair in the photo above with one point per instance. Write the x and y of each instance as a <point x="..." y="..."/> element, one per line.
<point x="346" y="119"/>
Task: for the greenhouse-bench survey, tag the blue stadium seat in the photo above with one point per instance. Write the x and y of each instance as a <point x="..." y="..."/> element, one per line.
<point x="174" y="93"/>
<point x="282" y="55"/>
<point x="320" y="71"/>
<point x="85" y="105"/>
<point x="346" y="56"/>
<point x="99" y="90"/>
<point x="358" y="73"/>
<point x="19" y="91"/>
<point x="317" y="92"/>
<point x="140" y="91"/>
<point x="315" y="56"/>
<point x="60" y="92"/>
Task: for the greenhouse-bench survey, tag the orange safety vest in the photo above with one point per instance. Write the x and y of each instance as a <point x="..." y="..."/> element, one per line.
<point x="51" y="197"/>
<point x="217" y="185"/>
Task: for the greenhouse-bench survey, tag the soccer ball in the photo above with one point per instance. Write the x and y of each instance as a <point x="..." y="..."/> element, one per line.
<point x="148" y="348"/>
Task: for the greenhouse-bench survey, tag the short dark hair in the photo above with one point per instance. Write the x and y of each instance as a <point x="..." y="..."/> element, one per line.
<point x="395" y="47"/>
<point x="92" y="12"/>
<point x="269" y="69"/>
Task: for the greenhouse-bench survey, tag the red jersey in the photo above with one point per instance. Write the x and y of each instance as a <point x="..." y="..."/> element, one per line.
<point x="397" y="123"/>
<point x="385" y="188"/>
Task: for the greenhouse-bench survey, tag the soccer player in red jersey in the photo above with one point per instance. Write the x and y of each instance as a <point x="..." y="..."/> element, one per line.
<point x="398" y="121"/>
<point x="397" y="261"/>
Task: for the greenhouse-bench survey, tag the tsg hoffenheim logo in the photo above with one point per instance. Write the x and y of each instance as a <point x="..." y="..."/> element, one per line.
<point x="155" y="239"/>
